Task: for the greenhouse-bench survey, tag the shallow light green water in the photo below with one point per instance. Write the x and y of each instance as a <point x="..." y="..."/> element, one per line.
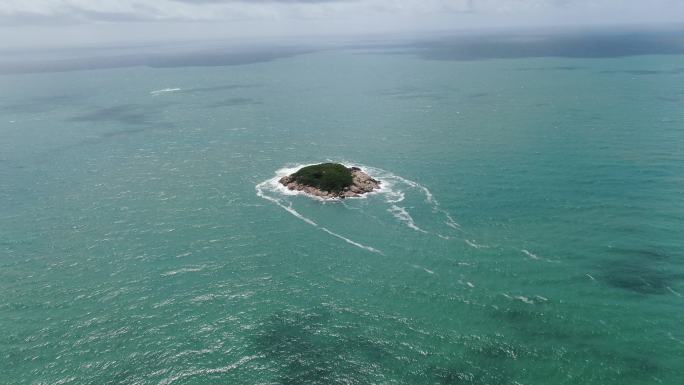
<point x="141" y="243"/>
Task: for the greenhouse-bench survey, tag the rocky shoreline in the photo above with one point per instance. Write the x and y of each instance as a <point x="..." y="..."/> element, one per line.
<point x="362" y="183"/>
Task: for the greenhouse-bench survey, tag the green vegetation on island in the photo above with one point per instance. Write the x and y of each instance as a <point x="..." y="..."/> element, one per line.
<point x="332" y="177"/>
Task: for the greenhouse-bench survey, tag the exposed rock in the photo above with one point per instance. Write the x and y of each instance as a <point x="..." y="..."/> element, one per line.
<point x="362" y="183"/>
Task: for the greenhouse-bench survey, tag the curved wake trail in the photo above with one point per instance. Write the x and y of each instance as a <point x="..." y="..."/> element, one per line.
<point x="401" y="214"/>
<point x="289" y="209"/>
<point x="393" y="195"/>
<point x="394" y="190"/>
<point x="397" y="197"/>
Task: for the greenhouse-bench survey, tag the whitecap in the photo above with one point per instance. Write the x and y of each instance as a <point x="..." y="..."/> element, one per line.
<point x="451" y="222"/>
<point x="530" y="254"/>
<point x="395" y="196"/>
<point x="474" y="244"/>
<point x="536" y="257"/>
<point x="524" y="299"/>
<point x="678" y="294"/>
<point x="423" y="268"/>
<point x="164" y="90"/>
<point x="182" y="271"/>
<point x="673" y="338"/>
<point x="403" y="215"/>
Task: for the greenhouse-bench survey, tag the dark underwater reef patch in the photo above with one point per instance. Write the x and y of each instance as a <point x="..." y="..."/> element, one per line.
<point x="645" y="270"/>
<point x="643" y="72"/>
<point x="320" y="345"/>
<point x="305" y="350"/>
<point x="651" y="253"/>
<point x="130" y="114"/>
<point x="533" y="324"/>
<point x="234" y="102"/>
<point x="486" y="359"/>
<point x="39" y="104"/>
<point x="466" y="373"/>
<point x="316" y="346"/>
<point x="638" y="278"/>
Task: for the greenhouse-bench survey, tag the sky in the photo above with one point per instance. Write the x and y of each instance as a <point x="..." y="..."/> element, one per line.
<point x="57" y="23"/>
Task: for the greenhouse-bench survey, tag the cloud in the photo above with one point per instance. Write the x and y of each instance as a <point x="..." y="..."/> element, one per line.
<point x="37" y="22"/>
<point x="193" y="10"/>
<point x="82" y="11"/>
<point x="19" y="12"/>
<point x="260" y="1"/>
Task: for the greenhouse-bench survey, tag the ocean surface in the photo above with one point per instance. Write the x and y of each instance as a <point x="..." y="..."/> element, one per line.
<point x="530" y="229"/>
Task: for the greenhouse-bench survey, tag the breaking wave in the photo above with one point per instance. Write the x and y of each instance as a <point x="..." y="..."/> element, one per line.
<point x="401" y="214"/>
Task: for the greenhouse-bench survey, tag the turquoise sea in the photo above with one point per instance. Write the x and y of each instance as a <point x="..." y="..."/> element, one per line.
<point x="530" y="230"/>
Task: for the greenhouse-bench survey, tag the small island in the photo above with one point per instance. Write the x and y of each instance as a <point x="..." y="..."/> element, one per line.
<point x="330" y="181"/>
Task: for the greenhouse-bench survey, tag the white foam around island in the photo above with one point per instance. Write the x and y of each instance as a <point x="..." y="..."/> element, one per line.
<point x="393" y="189"/>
